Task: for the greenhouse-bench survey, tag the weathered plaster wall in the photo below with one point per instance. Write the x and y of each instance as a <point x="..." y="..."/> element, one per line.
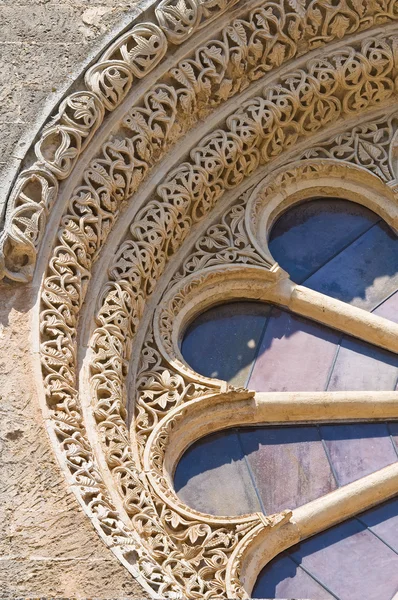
<point x="47" y="546"/>
<point x="44" y="45"/>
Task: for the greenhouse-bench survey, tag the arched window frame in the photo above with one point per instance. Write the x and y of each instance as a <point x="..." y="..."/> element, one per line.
<point x="209" y="413"/>
<point x="83" y="333"/>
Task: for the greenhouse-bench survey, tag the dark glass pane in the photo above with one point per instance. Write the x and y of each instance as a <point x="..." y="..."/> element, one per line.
<point x="389" y="308"/>
<point x="383" y="521"/>
<point x="358" y="449"/>
<point x="361" y="366"/>
<point x="284" y="578"/>
<point x="222" y="342"/>
<point x="235" y="469"/>
<point x="273" y="468"/>
<point x="393" y="429"/>
<point x="284" y="352"/>
<point x="338" y="248"/>
<point x="213" y="477"/>
<point x="309" y="235"/>
<point x="296" y="354"/>
<point x="365" y="273"/>
<point x="349" y="561"/>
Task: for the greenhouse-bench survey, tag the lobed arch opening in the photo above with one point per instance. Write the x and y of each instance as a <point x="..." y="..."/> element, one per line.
<point x="254" y="502"/>
<point x="137" y="515"/>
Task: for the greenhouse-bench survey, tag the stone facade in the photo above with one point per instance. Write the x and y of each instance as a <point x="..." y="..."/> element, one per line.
<point x="44" y="48"/>
<point x="47" y="547"/>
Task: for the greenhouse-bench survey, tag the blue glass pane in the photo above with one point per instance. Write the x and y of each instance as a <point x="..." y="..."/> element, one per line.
<point x="358" y="449"/>
<point x="234" y="470"/>
<point x="213" y="477"/>
<point x="284" y="578"/>
<point x="365" y="273"/>
<point x="294" y="455"/>
<point x="238" y="471"/>
<point x="269" y="349"/>
<point x="351" y="562"/>
<point x="295" y="354"/>
<point x="338" y="248"/>
<point x="222" y="342"/>
<point x="361" y="366"/>
<point x="309" y="235"/>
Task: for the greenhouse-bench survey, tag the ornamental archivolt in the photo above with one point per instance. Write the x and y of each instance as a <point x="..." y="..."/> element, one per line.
<point x="258" y="41"/>
<point x="122" y="410"/>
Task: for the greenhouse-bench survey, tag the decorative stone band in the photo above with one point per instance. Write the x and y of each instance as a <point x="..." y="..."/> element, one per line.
<point x="246" y="49"/>
<point x="192" y="293"/>
<point x="371" y="145"/>
<point x="172" y="554"/>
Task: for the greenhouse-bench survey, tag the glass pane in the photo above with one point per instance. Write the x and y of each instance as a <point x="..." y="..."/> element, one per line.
<point x="271" y="468"/>
<point x="213" y="477"/>
<point x="349" y="561"/>
<point x="222" y="342"/>
<point x="230" y="472"/>
<point x="309" y="235"/>
<point x="268" y="349"/>
<point x="295" y="354"/>
<point x="289" y="465"/>
<point x="338" y="248"/>
<point x="363" y="274"/>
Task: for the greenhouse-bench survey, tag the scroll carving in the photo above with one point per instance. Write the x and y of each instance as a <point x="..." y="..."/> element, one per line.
<point x="368" y="145"/>
<point x="245" y="50"/>
<point x="141" y="49"/>
<point x="225" y="242"/>
<point x="156" y="537"/>
<point x="178" y="18"/>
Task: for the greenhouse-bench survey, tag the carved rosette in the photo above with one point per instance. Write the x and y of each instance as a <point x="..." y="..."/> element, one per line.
<point x="199" y="238"/>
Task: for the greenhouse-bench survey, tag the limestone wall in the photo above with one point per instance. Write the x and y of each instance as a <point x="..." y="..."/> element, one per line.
<point x="47" y="546"/>
<point x="44" y="46"/>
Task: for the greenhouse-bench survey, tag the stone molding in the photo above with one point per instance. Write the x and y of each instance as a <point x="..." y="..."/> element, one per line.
<point x="164" y="420"/>
<point x="123" y="476"/>
<point x="247" y="48"/>
<point x="167" y="386"/>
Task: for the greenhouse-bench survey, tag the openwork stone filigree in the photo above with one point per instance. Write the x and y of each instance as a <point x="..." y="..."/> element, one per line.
<point x="224" y="242"/>
<point x="172" y="550"/>
<point x="369" y="145"/>
<point x="118" y="465"/>
<point x="245" y="50"/>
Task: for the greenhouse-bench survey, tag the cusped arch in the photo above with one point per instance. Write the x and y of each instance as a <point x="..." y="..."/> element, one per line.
<point x="310" y="179"/>
<point x="81" y="183"/>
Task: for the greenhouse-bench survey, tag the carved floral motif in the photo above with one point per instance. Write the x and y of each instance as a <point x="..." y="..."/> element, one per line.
<point x="173" y="555"/>
<point x="225" y="242"/>
<point x="245" y="50"/>
<point x="367" y="145"/>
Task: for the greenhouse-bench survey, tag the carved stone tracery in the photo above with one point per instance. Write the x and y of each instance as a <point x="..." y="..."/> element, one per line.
<point x="121" y="477"/>
<point x="246" y="49"/>
<point x="154" y="236"/>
